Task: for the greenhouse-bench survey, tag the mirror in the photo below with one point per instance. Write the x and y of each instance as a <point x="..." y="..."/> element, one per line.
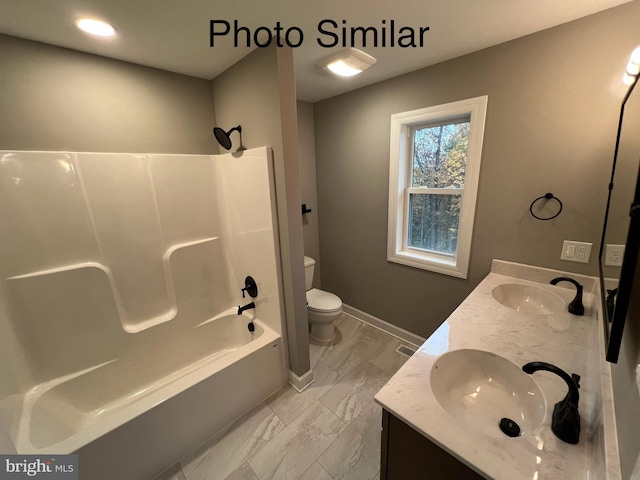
<point x="620" y="228"/>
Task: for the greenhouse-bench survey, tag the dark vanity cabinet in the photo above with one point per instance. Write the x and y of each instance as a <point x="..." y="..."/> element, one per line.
<point x="408" y="455"/>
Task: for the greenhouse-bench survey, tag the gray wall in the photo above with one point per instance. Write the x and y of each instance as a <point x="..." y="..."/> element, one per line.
<point x="307" y="156"/>
<point x="52" y="98"/>
<point x="259" y="93"/>
<point x="554" y="100"/>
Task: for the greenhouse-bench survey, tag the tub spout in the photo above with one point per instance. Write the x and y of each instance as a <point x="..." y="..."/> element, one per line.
<point x="246" y="307"/>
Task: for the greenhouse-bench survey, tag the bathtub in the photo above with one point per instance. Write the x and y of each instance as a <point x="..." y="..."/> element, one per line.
<point x="152" y="406"/>
<point x="118" y="338"/>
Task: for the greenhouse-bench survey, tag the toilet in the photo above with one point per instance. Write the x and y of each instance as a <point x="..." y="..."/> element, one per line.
<point x="324" y="308"/>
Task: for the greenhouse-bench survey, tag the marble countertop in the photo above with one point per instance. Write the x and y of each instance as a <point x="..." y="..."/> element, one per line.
<point x="482" y="323"/>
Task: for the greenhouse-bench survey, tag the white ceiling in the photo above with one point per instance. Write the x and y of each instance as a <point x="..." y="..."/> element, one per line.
<point x="174" y="34"/>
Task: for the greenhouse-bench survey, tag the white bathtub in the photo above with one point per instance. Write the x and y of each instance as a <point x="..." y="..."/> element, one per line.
<point x="189" y="389"/>
<point x="107" y="293"/>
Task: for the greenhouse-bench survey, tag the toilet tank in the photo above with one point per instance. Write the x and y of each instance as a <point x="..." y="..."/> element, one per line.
<point x="309" y="267"/>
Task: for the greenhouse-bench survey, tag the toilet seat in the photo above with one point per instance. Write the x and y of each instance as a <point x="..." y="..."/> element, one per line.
<point x="321" y="301"/>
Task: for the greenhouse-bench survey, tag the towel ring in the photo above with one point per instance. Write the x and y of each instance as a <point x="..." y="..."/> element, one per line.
<point x="546" y="196"/>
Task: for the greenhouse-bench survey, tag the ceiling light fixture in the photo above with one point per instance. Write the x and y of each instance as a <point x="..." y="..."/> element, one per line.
<point x="348" y="62"/>
<point x="95" y="27"/>
<point x="633" y="68"/>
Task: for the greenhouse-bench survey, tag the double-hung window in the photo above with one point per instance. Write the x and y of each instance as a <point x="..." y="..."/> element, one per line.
<point x="433" y="182"/>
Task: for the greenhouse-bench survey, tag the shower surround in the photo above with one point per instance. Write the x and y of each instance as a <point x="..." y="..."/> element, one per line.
<point x="121" y="278"/>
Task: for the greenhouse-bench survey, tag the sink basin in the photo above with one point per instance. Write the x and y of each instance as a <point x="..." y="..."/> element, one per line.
<point x="479" y="388"/>
<point x="528" y="299"/>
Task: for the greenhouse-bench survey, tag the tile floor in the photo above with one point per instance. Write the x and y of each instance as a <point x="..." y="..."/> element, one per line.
<point x="331" y="431"/>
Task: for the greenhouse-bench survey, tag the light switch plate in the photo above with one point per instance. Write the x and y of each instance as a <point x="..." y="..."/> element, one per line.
<point x="573" y="251"/>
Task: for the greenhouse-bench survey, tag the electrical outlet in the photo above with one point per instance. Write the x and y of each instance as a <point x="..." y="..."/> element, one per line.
<point x="613" y="255"/>
<point x="576" y="251"/>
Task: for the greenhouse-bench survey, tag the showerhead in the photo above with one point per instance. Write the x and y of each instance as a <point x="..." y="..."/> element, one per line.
<point x="224" y="138"/>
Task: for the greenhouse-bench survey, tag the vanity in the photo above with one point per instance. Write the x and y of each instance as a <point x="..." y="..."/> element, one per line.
<point x="442" y="410"/>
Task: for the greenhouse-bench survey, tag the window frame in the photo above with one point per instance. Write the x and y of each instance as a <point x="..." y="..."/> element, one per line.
<point x="400" y="166"/>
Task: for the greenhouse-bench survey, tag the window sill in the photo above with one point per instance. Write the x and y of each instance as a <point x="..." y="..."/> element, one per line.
<point x="433" y="263"/>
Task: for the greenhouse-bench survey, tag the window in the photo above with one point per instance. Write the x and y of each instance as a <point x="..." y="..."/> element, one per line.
<point x="433" y="181"/>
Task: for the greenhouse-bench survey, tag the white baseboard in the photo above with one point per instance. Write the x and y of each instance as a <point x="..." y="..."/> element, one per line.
<point x="301" y="383"/>
<point x="386" y="327"/>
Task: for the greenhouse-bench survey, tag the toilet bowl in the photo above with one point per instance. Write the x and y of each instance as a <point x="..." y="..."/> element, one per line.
<point x="323" y="308"/>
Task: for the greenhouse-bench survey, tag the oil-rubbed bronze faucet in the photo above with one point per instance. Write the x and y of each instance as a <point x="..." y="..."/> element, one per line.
<point x="575" y="307"/>
<point x="246" y="307"/>
<point x="565" y="422"/>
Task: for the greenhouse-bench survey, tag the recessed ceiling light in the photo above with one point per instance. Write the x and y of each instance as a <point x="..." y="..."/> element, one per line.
<point x="348" y="62"/>
<point x="95" y="27"/>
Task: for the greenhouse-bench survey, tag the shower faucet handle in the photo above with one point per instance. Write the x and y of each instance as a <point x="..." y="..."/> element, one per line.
<point x="250" y="287"/>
